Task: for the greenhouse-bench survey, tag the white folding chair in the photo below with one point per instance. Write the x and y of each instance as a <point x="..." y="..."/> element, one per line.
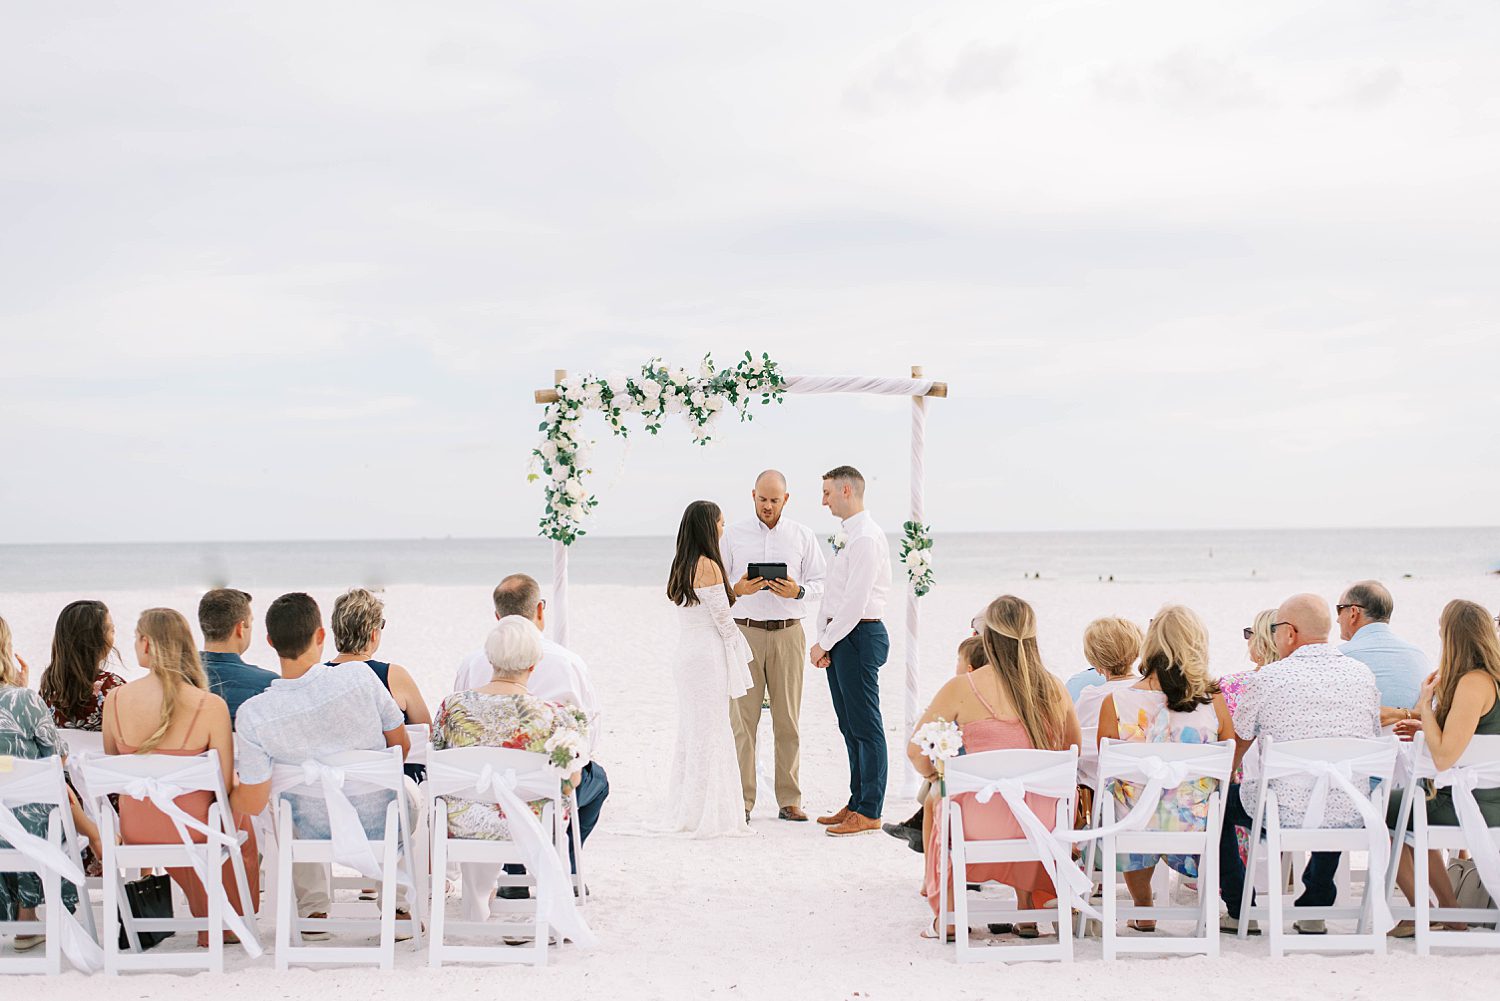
<point x="1477" y="768"/>
<point x="393" y="858"/>
<point x="1009" y="774"/>
<point x="1154" y="769"/>
<point x="161" y="779"/>
<point x="420" y="736"/>
<point x="23" y="782"/>
<point x="512" y="780"/>
<point x="81" y="744"/>
<point x="1359" y="768"/>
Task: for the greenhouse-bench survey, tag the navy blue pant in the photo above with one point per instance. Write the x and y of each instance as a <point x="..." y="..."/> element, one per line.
<point x="854" y="682"/>
<point x="592" y="791"/>
<point x="1318" y="889"/>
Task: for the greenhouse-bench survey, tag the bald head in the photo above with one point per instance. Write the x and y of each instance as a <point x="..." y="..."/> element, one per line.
<point x="1302" y="619"/>
<point x="770" y="497"/>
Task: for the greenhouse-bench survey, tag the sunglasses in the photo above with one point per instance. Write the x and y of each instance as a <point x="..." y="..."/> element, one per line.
<point x="1249" y="631"/>
<point x="1339" y="609"/>
<point x="1275" y="624"/>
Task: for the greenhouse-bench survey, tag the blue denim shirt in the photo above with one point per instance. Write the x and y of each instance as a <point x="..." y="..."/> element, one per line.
<point x="1083" y="679"/>
<point x="1398" y="666"/>
<point x="233" y="680"/>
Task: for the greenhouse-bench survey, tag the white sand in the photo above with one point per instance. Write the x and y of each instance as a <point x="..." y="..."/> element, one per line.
<point x="790" y="912"/>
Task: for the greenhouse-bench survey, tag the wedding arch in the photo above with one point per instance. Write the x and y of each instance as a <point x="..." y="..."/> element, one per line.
<point x="658" y="392"/>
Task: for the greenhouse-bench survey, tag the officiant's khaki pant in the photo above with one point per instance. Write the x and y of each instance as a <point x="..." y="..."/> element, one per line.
<point x="777" y="669"/>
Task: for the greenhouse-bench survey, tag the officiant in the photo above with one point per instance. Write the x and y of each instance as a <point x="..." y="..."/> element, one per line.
<point x="769" y="612"/>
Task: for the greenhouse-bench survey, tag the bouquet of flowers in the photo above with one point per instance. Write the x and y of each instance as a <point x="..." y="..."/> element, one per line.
<point x="939" y="740"/>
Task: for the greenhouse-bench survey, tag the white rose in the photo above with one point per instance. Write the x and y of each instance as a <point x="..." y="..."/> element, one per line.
<point x="699" y="398"/>
<point x="680" y="376"/>
<point x="926" y="556"/>
<point x="575" y="491"/>
<point x="616" y="383"/>
<point x="841" y="539"/>
<point x="549" y="450"/>
<point x="716" y="404"/>
<point x="560" y="474"/>
<point x="592" y="397"/>
<point x="674" y="404"/>
<point x="912" y="559"/>
<point x="652" y="389"/>
<point x="570" y="387"/>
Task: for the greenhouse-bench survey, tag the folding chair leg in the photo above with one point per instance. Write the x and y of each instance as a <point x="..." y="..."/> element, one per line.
<point x="1110" y="864"/>
<point x="1274" y="917"/>
<point x="439" y="894"/>
<point x="1420" y="892"/>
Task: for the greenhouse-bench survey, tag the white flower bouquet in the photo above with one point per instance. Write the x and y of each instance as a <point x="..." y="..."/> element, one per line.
<point x="939" y="740"/>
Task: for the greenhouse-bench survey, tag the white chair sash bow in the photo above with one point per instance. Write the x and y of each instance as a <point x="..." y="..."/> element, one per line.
<point x="41" y="787"/>
<point x="513" y="791"/>
<point x="1329" y="775"/>
<point x="1463" y="779"/>
<point x="198" y="774"/>
<point x="351" y="845"/>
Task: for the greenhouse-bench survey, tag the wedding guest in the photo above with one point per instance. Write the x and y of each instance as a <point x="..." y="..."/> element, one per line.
<point x="1456" y="703"/>
<point x="1174" y="701"/>
<point x="769" y="614"/>
<point x="970" y="658"/>
<point x="312" y="711"/>
<point x="1364" y="614"/>
<point x="1312" y="691"/>
<point x="172" y="712"/>
<point x="75" y="683"/>
<point x="1111" y="646"/>
<point x="1261" y="648"/>
<point x="852" y="645"/>
<point x="27" y="731"/>
<point x="1013" y="703"/>
<point x="358" y="625"/>
<point x="503" y="713"/>
<point x="560" y="676"/>
<point x="224" y="616"/>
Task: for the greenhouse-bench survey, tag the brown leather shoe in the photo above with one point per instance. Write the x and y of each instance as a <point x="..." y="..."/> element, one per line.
<point x="791" y="813"/>
<point x="836" y="818"/>
<point x="857" y="823"/>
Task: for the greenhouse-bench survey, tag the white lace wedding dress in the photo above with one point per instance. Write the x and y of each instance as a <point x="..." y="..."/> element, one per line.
<point x="710" y="666"/>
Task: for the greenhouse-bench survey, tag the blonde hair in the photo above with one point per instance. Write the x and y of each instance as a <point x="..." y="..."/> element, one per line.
<point x="10" y="670"/>
<point x="1262" y="643"/>
<point x="1009" y="635"/>
<point x="1176" y="655"/>
<point x="174" y="663"/>
<point x="356" y="615"/>
<point x="1112" y="645"/>
<point x="1470" y="643"/>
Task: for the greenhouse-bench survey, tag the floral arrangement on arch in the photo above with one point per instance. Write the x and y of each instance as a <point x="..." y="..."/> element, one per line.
<point x="916" y="555"/>
<point x="656" y="393"/>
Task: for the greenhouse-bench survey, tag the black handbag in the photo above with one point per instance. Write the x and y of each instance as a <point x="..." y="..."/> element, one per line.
<point x="148" y="897"/>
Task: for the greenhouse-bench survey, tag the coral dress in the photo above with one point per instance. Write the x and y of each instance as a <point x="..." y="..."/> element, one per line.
<point x="142" y="823"/>
<point x="993" y="821"/>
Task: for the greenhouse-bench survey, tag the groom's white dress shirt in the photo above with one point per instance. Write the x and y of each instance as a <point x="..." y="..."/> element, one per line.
<point x="859" y="580"/>
<point x="790" y="542"/>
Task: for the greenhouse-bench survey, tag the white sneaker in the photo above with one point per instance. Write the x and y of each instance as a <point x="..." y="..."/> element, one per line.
<point x="1231" y="925"/>
<point x="1310" y="926"/>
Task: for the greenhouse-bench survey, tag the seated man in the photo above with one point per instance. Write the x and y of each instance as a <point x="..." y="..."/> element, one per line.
<point x="561" y="676"/>
<point x="1313" y="691"/>
<point x="224" y="616"/>
<point x="1364" y="614"/>
<point x="311" y="711"/>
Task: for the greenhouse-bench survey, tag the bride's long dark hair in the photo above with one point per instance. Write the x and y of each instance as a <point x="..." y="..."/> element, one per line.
<point x="697" y="537"/>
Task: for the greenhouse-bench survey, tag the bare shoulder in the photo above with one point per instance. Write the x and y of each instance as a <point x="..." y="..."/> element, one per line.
<point x="707" y="573"/>
<point x="1477" y="686"/>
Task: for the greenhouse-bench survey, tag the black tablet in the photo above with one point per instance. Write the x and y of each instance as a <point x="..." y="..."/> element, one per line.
<point x="768" y="571"/>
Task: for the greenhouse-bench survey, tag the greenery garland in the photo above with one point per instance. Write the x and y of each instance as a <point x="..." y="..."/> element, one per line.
<point x="655" y="394"/>
<point x="916" y="555"/>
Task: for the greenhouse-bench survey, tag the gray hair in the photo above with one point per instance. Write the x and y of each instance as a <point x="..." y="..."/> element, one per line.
<point x="513" y="647"/>
<point x="1372" y="596"/>
<point x="518" y="594"/>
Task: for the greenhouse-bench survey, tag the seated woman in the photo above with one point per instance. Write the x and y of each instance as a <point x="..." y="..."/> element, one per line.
<point x="171" y="711"/>
<point x="1111" y="646"/>
<point x="502" y="714"/>
<point x="358" y="625"/>
<point x="1457" y="701"/>
<point x="28" y="731"/>
<point x="75" y="683"/>
<point x="1174" y="702"/>
<point x="1012" y="703"/>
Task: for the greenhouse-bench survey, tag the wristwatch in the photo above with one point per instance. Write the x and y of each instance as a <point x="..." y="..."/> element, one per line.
<point x="801" y="592"/>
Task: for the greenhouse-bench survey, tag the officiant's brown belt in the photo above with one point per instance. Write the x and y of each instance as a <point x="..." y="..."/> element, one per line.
<point x="769" y="624"/>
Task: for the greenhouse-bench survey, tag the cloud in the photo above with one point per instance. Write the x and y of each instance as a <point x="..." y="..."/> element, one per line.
<point x="1185" y="80"/>
<point x="906" y="75"/>
<point x="1370" y="88"/>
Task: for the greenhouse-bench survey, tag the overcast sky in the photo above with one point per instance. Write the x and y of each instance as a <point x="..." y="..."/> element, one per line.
<point x="293" y="270"/>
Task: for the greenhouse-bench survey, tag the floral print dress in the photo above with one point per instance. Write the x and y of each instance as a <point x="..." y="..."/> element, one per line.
<point x="523" y="722"/>
<point x="1144" y="717"/>
<point x="27" y="731"/>
<point x="91" y="715"/>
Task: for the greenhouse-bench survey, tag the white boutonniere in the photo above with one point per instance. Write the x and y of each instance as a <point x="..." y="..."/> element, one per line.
<point x="838" y="541"/>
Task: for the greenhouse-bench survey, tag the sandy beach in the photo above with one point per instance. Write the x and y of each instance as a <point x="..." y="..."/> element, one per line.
<point x="788" y="912"/>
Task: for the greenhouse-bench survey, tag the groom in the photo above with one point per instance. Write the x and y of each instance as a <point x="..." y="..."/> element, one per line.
<point x="852" y="644"/>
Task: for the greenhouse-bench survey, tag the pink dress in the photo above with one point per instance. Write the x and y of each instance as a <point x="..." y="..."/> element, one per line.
<point x="993" y="821"/>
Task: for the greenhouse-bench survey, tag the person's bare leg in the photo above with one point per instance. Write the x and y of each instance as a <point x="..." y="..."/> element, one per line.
<point x="1138" y="882"/>
<point x="1406" y="874"/>
<point x="1442" y="888"/>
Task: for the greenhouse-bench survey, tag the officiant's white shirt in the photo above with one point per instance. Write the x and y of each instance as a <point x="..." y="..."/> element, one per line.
<point x="790" y="542"/>
<point x="560" y="676"/>
<point x="859" y="580"/>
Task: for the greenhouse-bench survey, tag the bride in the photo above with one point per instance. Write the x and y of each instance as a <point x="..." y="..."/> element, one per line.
<point x="710" y="666"/>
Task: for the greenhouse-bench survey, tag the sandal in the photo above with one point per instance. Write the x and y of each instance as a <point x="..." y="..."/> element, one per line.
<point x="1027" y="929"/>
<point x="25" y="943"/>
<point x="1142" y="926"/>
<point x="931" y="932"/>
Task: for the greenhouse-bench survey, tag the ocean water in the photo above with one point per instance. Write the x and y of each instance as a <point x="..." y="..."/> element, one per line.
<point x="966" y="559"/>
